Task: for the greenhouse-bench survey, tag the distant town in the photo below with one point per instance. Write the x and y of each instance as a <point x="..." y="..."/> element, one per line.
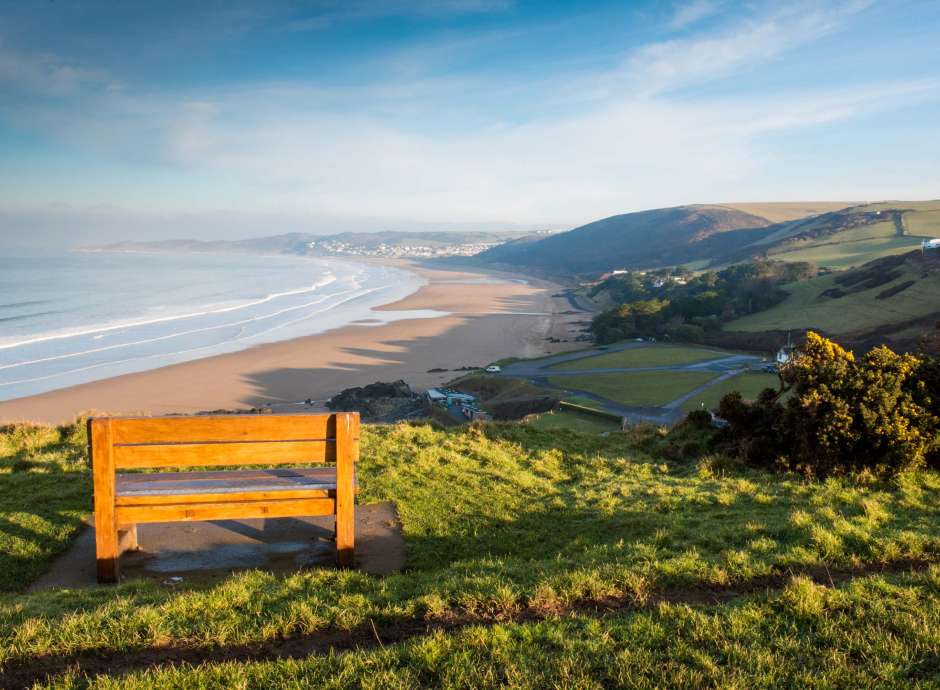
<point x="395" y="251"/>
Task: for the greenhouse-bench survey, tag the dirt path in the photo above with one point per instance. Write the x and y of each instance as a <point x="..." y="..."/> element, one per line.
<point x="25" y="672"/>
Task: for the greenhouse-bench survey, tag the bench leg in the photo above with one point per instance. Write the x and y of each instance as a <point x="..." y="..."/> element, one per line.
<point x="345" y="536"/>
<point x="107" y="553"/>
<point x="127" y="538"/>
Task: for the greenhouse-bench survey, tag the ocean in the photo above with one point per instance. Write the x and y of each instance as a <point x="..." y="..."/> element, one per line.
<point x="76" y="317"/>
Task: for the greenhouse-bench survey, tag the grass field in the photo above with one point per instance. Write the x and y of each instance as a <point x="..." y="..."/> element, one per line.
<point x="647" y="356"/>
<point x="926" y="223"/>
<point x="509" y="530"/>
<point x="569" y="419"/>
<point x="848" y="254"/>
<point x="804" y="308"/>
<point x="642" y="388"/>
<point x="856" y="246"/>
<point x="748" y="384"/>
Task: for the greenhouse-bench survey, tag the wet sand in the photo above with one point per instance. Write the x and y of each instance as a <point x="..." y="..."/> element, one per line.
<point x="489" y="317"/>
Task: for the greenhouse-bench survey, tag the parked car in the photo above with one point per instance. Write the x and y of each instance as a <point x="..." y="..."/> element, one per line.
<point x="493" y="369"/>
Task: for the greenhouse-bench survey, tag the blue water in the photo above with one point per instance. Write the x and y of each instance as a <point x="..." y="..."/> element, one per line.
<point x="78" y="317"/>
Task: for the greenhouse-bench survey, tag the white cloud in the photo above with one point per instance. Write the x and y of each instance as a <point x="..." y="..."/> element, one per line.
<point x="693" y="12"/>
<point x="743" y="45"/>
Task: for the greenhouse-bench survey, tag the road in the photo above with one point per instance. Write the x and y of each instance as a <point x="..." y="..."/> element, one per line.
<point x="538" y="371"/>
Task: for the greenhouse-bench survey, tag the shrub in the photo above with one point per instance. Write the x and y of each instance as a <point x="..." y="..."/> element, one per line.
<point x="877" y="413"/>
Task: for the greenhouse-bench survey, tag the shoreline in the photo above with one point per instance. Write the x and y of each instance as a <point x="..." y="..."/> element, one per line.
<point x="487" y="315"/>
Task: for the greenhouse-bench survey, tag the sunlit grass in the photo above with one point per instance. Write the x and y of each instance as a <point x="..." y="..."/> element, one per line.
<point x="502" y="517"/>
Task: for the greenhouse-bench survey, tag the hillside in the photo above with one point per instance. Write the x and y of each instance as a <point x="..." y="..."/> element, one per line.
<point x="894" y="299"/>
<point x="710" y="236"/>
<point x="658" y="237"/>
<point x="535" y="559"/>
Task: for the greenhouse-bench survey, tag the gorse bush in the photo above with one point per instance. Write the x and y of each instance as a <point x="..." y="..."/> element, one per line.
<point x="877" y="413"/>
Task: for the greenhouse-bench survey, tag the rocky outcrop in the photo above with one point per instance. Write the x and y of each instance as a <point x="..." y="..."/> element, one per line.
<point x="378" y="402"/>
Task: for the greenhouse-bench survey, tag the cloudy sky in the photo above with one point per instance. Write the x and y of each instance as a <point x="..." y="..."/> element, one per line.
<point x="145" y="119"/>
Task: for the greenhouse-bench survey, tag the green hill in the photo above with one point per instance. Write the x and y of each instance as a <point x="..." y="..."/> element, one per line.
<point x="722" y="235"/>
<point x="897" y="296"/>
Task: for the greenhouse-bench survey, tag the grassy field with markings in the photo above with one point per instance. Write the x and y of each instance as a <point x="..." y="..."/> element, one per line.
<point x="647" y="356"/>
<point x="642" y="388"/>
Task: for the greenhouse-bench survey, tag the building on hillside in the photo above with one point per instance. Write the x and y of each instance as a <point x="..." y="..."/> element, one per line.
<point x="611" y="274"/>
<point x="445" y="397"/>
<point x="785" y="353"/>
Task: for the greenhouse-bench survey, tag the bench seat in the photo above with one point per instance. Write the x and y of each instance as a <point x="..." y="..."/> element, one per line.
<point x="132" y="488"/>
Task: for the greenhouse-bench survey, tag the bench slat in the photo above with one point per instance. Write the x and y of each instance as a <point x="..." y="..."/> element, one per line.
<point x="231" y="497"/>
<point x="225" y="511"/>
<point x="169" y="483"/>
<point x="222" y="428"/>
<point x="216" y="453"/>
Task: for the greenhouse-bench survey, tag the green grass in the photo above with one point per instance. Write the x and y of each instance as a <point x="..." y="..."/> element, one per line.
<point x="925" y="224"/>
<point x="748" y="384"/>
<point x="804" y="308"/>
<point x="44" y="493"/>
<point x="570" y="419"/>
<point x="647" y="356"/>
<point x="848" y="254"/>
<point x="505" y="517"/>
<point x="879" y="632"/>
<point x="642" y="388"/>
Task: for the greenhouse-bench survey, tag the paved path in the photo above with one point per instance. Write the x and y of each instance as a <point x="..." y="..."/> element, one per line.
<point x="538" y="372"/>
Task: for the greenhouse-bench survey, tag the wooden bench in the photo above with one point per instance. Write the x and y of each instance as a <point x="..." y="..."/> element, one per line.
<point x="124" y="500"/>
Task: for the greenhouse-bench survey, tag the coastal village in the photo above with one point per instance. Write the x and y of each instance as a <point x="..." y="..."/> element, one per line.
<point x="396" y="251"/>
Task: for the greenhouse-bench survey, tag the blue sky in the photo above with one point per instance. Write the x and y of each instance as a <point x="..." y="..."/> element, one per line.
<point x="227" y="118"/>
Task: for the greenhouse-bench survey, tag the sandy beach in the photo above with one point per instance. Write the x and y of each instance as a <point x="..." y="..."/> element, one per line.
<point x="489" y="316"/>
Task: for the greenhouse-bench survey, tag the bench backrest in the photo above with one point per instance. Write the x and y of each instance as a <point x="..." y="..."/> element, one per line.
<point x="203" y="440"/>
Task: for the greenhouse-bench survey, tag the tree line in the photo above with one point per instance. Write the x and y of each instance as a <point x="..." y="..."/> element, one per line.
<point x="678" y="305"/>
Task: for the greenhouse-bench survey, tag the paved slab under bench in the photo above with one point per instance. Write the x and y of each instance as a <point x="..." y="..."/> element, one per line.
<point x="208" y="551"/>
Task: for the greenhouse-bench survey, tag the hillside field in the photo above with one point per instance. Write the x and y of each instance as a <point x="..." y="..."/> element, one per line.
<point x="784" y="211"/>
<point x="849" y="253"/>
<point x="808" y="307"/>
<point x="536" y="558"/>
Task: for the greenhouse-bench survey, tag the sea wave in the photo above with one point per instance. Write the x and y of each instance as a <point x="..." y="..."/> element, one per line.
<point x="97" y="330"/>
